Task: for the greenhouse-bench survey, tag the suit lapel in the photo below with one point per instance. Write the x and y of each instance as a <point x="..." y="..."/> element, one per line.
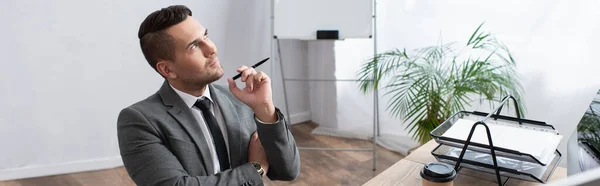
<point x="232" y="122"/>
<point x="186" y="119"/>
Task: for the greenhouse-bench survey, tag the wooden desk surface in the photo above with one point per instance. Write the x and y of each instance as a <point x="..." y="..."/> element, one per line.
<point x="407" y="172"/>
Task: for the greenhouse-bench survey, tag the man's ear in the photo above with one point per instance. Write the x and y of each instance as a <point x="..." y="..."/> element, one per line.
<point x="165" y="68"/>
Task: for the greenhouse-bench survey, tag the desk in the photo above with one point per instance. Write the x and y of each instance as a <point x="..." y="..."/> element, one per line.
<point x="407" y="172"/>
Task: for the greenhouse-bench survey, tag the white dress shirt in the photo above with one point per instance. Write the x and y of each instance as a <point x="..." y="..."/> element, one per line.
<point x="189" y="101"/>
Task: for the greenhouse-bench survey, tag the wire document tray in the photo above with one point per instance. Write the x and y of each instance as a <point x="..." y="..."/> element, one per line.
<point x="478" y="161"/>
<point x="515" y="147"/>
<point x="437" y="134"/>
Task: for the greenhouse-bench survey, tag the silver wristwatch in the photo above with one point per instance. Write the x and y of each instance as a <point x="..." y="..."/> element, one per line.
<point x="258" y="168"/>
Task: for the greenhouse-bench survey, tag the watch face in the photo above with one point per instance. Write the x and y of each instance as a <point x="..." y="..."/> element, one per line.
<point x="256" y="165"/>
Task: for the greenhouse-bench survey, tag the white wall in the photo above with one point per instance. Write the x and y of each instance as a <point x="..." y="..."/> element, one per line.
<point x="323" y="103"/>
<point x="553" y="42"/>
<point x="295" y="64"/>
<point x="70" y="66"/>
<point x="247" y="33"/>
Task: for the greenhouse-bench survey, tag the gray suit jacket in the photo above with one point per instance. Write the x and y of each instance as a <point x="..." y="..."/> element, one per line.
<point x="161" y="142"/>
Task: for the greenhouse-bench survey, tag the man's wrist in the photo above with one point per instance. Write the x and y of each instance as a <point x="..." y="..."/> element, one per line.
<point x="266" y="113"/>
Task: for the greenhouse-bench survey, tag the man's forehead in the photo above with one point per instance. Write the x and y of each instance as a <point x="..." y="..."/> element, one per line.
<point x="187" y="30"/>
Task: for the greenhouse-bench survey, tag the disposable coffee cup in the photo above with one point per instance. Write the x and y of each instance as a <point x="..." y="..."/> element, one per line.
<point x="438" y="174"/>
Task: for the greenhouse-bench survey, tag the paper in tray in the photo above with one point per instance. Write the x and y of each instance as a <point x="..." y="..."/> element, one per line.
<point x="509" y="167"/>
<point x="539" y="144"/>
<point x="528" y="140"/>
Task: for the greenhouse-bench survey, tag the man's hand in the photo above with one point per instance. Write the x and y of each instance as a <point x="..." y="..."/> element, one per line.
<point x="257" y="94"/>
<point x="256" y="153"/>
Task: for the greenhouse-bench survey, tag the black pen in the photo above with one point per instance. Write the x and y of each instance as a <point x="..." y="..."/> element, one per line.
<point x="253" y="66"/>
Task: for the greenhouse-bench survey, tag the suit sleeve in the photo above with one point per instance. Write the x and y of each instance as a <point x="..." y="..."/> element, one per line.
<point x="150" y="163"/>
<point x="280" y="147"/>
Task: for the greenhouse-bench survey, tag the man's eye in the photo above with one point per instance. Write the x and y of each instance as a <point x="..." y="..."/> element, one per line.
<point x="194" y="46"/>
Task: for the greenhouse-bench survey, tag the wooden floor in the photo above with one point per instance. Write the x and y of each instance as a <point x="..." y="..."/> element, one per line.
<point x="317" y="167"/>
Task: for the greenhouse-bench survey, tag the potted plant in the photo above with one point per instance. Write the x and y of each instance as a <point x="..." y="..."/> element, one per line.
<point x="430" y="84"/>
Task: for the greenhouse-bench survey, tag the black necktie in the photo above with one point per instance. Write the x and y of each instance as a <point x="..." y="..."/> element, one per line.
<point x="211" y="122"/>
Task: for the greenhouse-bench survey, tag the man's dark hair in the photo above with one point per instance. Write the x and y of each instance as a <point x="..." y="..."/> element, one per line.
<point x="155" y="42"/>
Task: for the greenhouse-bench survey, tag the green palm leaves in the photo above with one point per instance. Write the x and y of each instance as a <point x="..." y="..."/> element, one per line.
<point x="430" y="84"/>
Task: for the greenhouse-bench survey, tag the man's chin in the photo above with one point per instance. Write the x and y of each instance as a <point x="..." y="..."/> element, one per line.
<point x="206" y="79"/>
<point x="215" y="77"/>
<point x="219" y="73"/>
<point x="200" y="82"/>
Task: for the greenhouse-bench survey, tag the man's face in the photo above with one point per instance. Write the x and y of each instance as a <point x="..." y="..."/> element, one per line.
<point x="195" y="61"/>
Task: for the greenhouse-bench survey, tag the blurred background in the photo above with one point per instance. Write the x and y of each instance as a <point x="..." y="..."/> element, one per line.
<point x="70" y="66"/>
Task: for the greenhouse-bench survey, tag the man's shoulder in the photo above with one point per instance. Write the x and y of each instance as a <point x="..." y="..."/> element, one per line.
<point x="150" y="103"/>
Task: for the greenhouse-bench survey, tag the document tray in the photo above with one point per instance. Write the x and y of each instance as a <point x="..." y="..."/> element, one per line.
<point x="438" y="132"/>
<point x="508" y="167"/>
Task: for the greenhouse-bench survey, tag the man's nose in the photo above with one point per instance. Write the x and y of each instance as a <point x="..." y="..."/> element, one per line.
<point x="209" y="50"/>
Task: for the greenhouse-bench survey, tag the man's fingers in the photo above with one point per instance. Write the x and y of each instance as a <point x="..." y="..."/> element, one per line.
<point x="247" y="72"/>
<point x="233" y="87"/>
<point x="248" y="78"/>
<point x="254" y="136"/>
<point x="256" y="140"/>
<point x="250" y="82"/>
<point x="242" y="68"/>
<point x="259" y="77"/>
<point x="254" y="80"/>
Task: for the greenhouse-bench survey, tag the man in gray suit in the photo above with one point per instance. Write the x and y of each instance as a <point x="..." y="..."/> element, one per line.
<point x="192" y="132"/>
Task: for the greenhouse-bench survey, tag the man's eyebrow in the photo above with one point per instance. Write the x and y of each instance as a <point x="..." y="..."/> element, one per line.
<point x="195" y="41"/>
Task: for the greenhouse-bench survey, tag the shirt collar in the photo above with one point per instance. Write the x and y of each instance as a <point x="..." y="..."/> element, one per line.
<point x="189" y="99"/>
